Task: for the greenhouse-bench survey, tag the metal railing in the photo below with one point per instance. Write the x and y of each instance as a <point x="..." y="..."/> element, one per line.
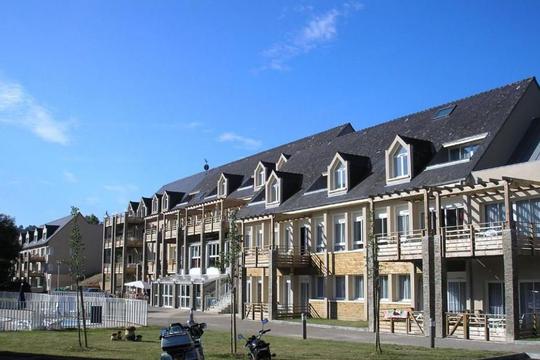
<point x="60" y="312"/>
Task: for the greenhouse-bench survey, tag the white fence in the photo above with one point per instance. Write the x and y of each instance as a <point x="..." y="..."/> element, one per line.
<point x="53" y="312"/>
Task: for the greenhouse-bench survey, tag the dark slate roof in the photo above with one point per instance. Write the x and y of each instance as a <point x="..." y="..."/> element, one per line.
<point x="481" y="113"/>
<point x="245" y="167"/>
<point x="53" y="227"/>
<point x="529" y="145"/>
<point x="185" y="185"/>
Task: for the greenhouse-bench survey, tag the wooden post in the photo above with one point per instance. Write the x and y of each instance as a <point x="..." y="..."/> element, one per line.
<point x="486" y="329"/>
<point x="466" y="326"/>
<point x="392" y="325"/>
<point x="471" y="236"/>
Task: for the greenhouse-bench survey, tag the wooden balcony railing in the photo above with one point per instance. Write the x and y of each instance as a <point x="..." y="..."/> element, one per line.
<point x="400" y="246"/>
<point x="107" y="268"/>
<point x="402" y="321"/>
<point x="151" y="234"/>
<point x="476" y="326"/>
<point x="285" y="257"/>
<point x="474" y="239"/>
<point x="37" y="258"/>
<point x="528" y="237"/>
<point x="256" y="310"/>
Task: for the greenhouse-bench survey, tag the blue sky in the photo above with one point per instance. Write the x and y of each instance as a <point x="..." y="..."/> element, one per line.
<point x="104" y="101"/>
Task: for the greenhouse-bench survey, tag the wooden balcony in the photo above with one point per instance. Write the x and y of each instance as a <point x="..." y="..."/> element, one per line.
<point x="151" y="235"/>
<point x="119" y="242"/>
<point x="107" y="268"/>
<point x="195" y="224"/>
<point x="528" y="238"/>
<point x="171" y="231"/>
<point x="260" y="257"/>
<point x="400" y="246"/>
<point x="107" y="244"/>
<point x="37" y="258"/>
<point x="476" y="326"/>
<point x="119" y="267"/>
<point x="473" y="240"/>
<point x="256" y="310"/>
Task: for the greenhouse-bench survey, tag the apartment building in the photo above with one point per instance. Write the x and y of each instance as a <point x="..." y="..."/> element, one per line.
<point x="439" y="210"/>
<point x="44" y="257"/>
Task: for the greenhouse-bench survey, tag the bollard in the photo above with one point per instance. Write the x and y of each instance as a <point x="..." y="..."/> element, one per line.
<point x="304" y="326"/>
<point x="432" y="333"/>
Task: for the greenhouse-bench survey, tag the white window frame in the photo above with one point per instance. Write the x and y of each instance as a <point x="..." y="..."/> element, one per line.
<point x="356" y="289"/>
<point x="259" y="236"/>
<point x="320" y="238"/>
<point x="342" y="221"/>
<point x="259" y="176"/>
<point x="222" y="186"/>
<point x="273" y="184"/>
<point x="357" y="244"/>
<point x="165" y="202"/>
<point x="403" y="297"/>
<point x="212" y="253"/>
<point x="392" y="155"/>
<point x="400" y="163"/>
<point x="338" y="168"/>
<point x="195" y="255"/>
<point x="344" y="278"/>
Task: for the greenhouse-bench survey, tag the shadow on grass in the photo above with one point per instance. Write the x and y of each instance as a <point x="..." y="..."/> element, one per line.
<point x="5" y="355"/>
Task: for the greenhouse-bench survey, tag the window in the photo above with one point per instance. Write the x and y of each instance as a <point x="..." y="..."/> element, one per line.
<point x="181" y="258"/>
<point x="340" y="288"/>
<point x="319" y="288"/>
<point x="358" y="285"/>
<point x="383" y="279"/>
<point x="403" y="222"/>
<point x="247" y="237"/>
<point x="222" y="186"/>
<point x="184" y="296"/>
<point x="289" y="240"/>
<point x="155" y="205"/>
<point x="259" y="177"/>
<point x="340" y="176"/>
<point x="258" y="236"/>
<point x="321" y="243"/>
<point x="527" y="214"/>
<point x="495" y="213"/>
<point x="400" y="161"/>
<point x="339" y="233"/>
<point x="463" y="152"/>
<point x="212" y="251"/>
<point x="529" y="297"/>
<point x="404" y="287"/>
<point x="195" y="256"/>
<point x="165" y="202"/>
<point x="167" y="295"/>
<point x="273" y="191"/>
<point x="304" y="240"/>
<point x="358" y="233"/>
<point x="444" y="112"/>
<point x="381" y="224"/>
<point x="172" y="254"/>
<point x="496" y="298"/>
<point x="456" y="296"/>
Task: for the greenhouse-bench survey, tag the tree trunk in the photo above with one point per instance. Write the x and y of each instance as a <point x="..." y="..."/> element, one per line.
<point x="78" y="312"/>
<point x="83" y="317"/>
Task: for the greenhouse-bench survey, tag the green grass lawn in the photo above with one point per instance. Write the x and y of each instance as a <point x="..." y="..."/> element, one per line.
<point x="333" y="322"/>
<point x="216" y="346"/>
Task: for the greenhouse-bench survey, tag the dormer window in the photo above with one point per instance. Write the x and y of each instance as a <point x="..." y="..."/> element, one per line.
<point x="282" y="160"/>
<point x="165" y="202"/>
<point x="338" y="179"/>
<point x="222" y="186"/>
<point x="462" y="152"/>
<point x="339" y="176"/>
<point x="400" y="158"/>
<point x="398" y="162"/>
<point x="259" y="178"/>
<point x="155" y="205"/>
<point x="273" y="191"/>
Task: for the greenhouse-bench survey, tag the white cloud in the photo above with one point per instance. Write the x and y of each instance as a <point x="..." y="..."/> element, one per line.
<point x="19" y="108"/>
<point x="318" y="30"/>
<point x="239" y="140"/>
<point x="70" y="177"/>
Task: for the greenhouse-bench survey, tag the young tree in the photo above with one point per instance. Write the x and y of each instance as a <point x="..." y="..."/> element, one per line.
<point x="76" y="264"/>
<point x="231" y="260"/>
<point x="10" y="248"/>
<point x="92" y="219"/>
<point x="373" y="270"/>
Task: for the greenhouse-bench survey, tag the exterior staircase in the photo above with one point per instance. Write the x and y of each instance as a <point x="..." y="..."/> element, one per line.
<point x="222" y="306"/>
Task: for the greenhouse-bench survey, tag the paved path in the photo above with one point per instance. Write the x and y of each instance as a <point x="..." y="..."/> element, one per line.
<point x="163" y="317"/>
